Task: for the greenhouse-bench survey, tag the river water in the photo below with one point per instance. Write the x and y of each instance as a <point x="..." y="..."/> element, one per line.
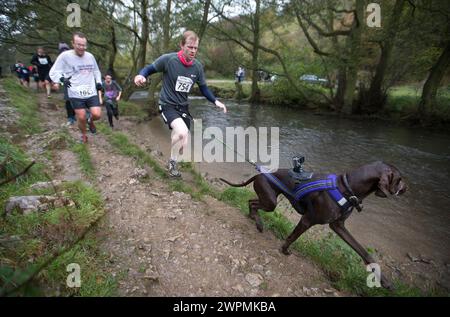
<point x="417" y="222"/>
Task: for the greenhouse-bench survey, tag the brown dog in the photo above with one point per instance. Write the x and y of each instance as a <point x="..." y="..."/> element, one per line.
<point x="319" y="208"/>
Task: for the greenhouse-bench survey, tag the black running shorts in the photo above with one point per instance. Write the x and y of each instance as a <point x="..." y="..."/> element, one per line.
<point x="170" y="113"/>
<point x="85" y="103"/>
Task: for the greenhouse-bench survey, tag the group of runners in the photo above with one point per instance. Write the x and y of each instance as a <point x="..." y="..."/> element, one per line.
<point x="38" y="70"/>
<point x="76" y="70"/>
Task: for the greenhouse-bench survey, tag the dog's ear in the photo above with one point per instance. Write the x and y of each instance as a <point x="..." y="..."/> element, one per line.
<point x="384" y="184"/>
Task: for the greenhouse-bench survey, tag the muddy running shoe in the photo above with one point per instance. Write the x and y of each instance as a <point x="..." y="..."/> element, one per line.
<point x="92" y="127"/>
<point x="71" y="121"/>
<point x="84" y="139"/>
<point x="172" y="168"/>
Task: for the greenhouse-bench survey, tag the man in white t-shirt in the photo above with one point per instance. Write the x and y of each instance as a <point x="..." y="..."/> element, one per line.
<point x="77" y="69"/>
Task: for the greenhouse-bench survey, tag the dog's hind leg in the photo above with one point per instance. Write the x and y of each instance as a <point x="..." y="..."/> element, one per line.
<point x="253" y="206"/>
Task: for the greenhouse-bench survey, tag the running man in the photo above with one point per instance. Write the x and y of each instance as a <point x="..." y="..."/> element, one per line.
<point x="22" y="73"/>
<point x="43" y="63"/>
<point x="77" y="69"/>
<point x="180" y="71"/>
<point x="112" y="94"/>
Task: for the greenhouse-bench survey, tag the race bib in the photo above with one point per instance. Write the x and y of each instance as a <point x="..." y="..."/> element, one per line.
<point x="183" y="84"/>
<point x="42" y="61"/>
<point x="85" y="91"/>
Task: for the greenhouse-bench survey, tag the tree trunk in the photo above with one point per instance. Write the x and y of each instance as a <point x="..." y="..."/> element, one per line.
<point x="129" y="87"/>
<point x="204" y="23"/>
<point x="340" y="91"/>
<point x="142" y="54"/>
<point x="255" y="93"/>
<point x="376" y="98"/>
<point x="354" y="46"/>
<point x="434" y="79"/>
<point x="156" y="79"/>
<point x="113" y="53"/>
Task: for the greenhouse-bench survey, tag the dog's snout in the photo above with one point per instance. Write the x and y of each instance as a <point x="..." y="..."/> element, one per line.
<point x="401" y="189"/>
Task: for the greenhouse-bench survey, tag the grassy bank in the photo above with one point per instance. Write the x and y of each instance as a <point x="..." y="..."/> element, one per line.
<point x="120" y="141"/>
<point x="404" y="100"/>
<point x="35" y="249"/>
<point x="128" y="108"/>
<point x="26" y="104"/>
<point x="41" y="244"/>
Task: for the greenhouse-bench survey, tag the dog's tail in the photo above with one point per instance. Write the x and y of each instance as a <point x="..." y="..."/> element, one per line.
<point x="241" y="184"/>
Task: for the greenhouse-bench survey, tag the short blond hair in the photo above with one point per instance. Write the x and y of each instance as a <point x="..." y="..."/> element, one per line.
<point x="188" y="35"/>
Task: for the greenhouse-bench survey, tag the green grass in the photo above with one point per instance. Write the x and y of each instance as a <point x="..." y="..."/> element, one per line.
<point x="84" y="158"/>
<point x="121" y="142"/>
<point x="202" y="187"/>
<point x="405" y="99"/>
<point x="44" y="235"/>
<point x="14" y="160"/>
<point x="125" y="147"/>
<point x="26" y="103"/>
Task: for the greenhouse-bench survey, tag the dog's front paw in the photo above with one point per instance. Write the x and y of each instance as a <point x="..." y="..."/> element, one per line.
<point x="259" y="225"/>
<point x="285" y="251"/>
<point x="386" y="283"/>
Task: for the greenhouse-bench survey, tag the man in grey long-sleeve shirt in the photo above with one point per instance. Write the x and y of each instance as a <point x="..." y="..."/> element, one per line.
<point x="180" y="72"/>
<point x="77" y="69"/>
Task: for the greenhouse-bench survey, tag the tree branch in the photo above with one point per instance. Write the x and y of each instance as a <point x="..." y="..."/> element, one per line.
<point x="18" y="175"/>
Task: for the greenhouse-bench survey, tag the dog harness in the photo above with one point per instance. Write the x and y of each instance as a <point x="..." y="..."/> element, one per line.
<point x="305" y="188"/>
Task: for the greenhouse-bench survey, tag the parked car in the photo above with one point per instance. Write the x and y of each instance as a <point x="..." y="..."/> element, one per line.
<point x="314" y="79"/>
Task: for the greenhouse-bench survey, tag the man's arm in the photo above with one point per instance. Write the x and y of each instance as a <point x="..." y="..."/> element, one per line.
<point x="97" y="73"/>
<point x="57" y="70"/>
<point x="34" y="60"/>
<point x="119" y="89"/>
<point x="141" y="79"/>
<point x="208" y="94"/>
<point x="148" y="70"/>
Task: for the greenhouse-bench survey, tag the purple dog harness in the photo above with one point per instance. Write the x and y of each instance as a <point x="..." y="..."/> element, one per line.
<point x="303" y="189"/>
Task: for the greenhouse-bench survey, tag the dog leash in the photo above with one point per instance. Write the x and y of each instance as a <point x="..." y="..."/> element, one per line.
<point x="250" y="162"/>
<point x="334" y="192"/>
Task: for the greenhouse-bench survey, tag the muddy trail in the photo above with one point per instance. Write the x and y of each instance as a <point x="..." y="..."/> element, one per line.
<point x="162" y="242"/>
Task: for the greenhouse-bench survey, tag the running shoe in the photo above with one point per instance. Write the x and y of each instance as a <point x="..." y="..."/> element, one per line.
<point x="84" y="139"/>
<point x="92" y="127"/>
<point x="172" y="168"/>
